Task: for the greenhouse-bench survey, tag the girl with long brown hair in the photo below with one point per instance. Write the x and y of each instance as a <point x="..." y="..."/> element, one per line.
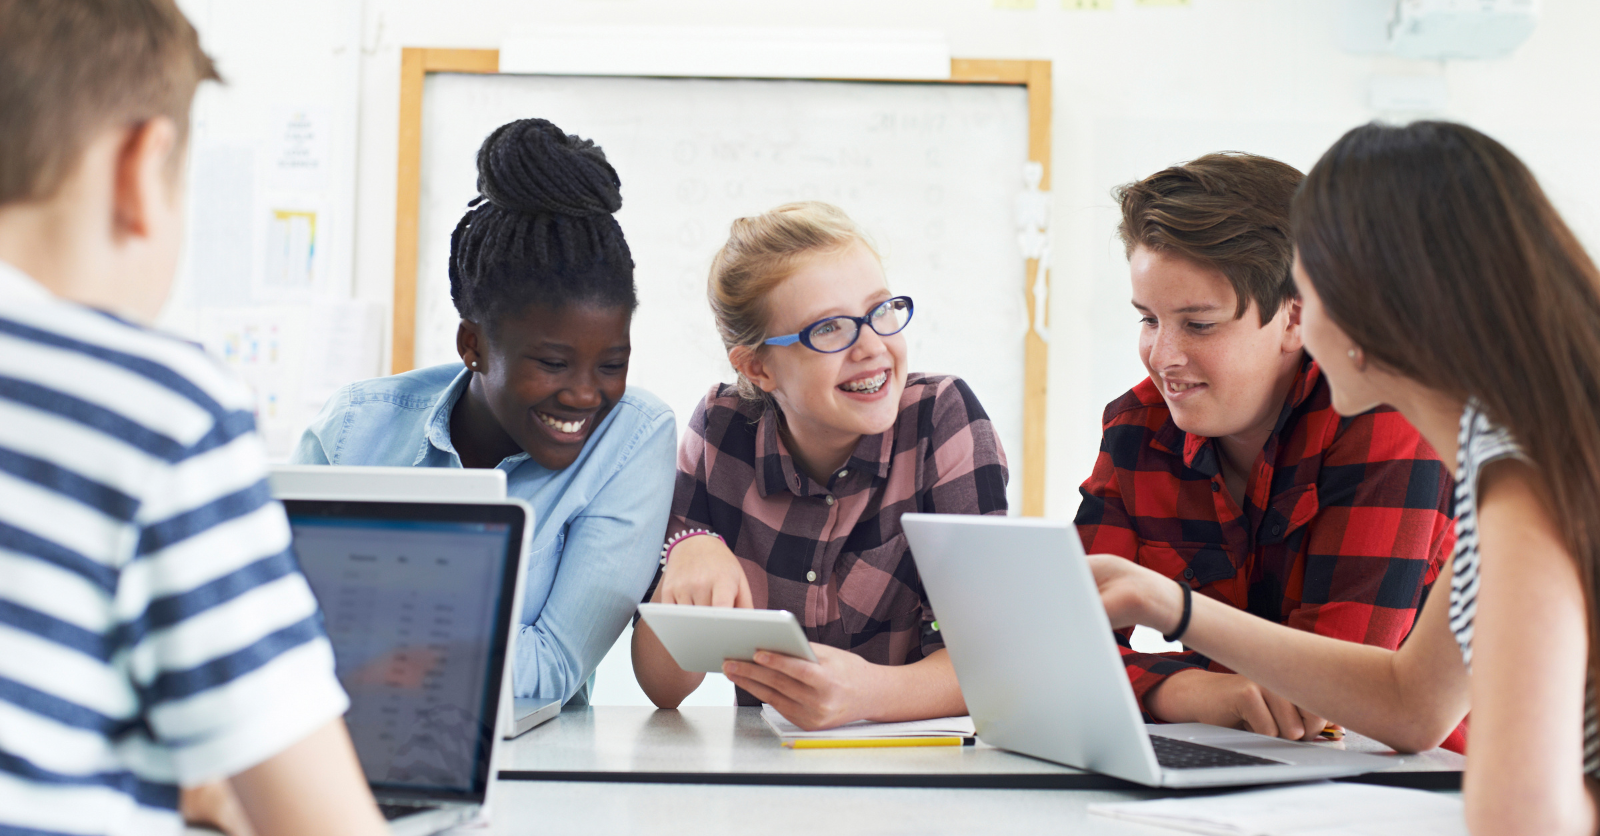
<point x="1437" y="278"/>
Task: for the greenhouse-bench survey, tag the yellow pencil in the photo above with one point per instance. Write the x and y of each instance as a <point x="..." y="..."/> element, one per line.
<point x="873" y="743"/>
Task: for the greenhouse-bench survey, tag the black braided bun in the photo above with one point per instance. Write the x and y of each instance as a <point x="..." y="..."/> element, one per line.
<point x="541" y="231"/>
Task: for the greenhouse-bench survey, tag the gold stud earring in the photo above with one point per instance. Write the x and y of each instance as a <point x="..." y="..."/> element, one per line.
<point x="1351" y="354"/>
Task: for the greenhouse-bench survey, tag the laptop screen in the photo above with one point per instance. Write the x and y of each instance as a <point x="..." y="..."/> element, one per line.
<point x="416" y="600"/>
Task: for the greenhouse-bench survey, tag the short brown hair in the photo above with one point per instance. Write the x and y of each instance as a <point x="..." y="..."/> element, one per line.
<point x="1227" y="211"/>
<point x="71" y="68"/>
<point x="761" y="252"/>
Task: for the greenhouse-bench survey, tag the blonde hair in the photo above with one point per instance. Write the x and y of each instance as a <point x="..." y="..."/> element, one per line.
<point x="761" y="252"/>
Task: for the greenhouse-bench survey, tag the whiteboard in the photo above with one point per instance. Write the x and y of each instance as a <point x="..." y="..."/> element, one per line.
<point x="931" y="172"/>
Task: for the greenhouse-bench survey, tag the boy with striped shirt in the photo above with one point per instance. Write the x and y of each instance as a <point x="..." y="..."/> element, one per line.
<point x="155" y="630"/>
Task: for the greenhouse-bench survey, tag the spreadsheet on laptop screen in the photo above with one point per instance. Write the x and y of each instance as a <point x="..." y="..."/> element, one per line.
<point x="410" y="609"/>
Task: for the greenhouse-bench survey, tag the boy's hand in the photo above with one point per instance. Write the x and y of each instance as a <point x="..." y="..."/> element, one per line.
<point x="703" y="571"/>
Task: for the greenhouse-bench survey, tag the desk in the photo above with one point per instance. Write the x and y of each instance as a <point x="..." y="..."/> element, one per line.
<point x="700" y="771"/>
<point x="704" y="745"/>
<point x="524" y="808"/>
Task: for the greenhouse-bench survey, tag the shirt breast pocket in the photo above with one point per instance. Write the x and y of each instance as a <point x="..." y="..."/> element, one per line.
<point x="547" y="553"/>
<point x="1288" y="512"/>
<point x="1200" y="563"/>
<point x="543" y="561"/>
<point x="874" y="587"/>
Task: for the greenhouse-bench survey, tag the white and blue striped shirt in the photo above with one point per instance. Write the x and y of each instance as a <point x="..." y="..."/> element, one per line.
<point x="155" y="630"/>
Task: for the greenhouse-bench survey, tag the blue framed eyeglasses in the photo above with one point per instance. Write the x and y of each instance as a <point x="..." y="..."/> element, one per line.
<point x="837" y="333"/>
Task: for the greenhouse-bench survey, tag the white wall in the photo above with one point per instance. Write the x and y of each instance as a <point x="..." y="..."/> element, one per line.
<point x="1136" y="89"/>
<point x="295" y="342"/>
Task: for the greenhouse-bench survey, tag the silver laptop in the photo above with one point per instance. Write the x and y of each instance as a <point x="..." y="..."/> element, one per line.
<point x="401" y="484"/>
<point x="419" y="600"/>
<point x="1042" y="675"/>
<point x="407" y="484"/>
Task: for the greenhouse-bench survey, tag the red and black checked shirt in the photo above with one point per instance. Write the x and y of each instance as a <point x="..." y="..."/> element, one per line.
<point x="1346" y="521"/>
<point x="834" y="554"/>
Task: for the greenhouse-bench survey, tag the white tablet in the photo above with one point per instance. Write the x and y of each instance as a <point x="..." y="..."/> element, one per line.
<point x="700" y="638"/>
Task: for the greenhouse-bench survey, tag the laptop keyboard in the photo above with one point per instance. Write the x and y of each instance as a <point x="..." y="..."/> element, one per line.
<point x="1172" y="753"/>
<point x="399" y="811"/>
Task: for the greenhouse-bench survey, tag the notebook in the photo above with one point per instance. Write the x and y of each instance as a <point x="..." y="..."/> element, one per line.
<point x="863" y="730"/>
<point x="1323" y="808"/>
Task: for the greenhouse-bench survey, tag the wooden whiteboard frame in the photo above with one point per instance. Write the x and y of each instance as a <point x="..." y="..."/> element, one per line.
<point x="1034" y="76"/>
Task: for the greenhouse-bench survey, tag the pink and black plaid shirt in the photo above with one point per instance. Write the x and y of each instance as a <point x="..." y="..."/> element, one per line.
<point x="834" y="554"/>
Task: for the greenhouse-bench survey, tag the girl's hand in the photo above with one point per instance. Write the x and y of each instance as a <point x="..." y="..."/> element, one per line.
<point x="1231" y="701"/>
<point x="834" y="690"/>
<point x="703" y="571"/>
<point x="1133" y="594"/>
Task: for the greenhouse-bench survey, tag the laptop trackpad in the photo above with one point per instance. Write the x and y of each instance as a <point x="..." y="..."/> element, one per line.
<point x="1272" y="750"/>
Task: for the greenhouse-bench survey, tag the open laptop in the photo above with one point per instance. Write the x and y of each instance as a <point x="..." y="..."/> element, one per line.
<point x="401" y="484"/>
<point x="408" y="484"/>
<point x="419" y="600"/>
<point x="1041" y="673"/>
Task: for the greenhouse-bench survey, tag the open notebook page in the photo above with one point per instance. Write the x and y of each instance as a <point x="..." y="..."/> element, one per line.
<point x="861" y="729"/>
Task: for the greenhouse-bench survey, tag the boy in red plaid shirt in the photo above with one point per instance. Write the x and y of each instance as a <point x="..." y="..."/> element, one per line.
<point x="1227" y="469"/>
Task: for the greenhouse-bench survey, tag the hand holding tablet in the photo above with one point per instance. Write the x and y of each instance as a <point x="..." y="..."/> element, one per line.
<point x="700" y="638"/>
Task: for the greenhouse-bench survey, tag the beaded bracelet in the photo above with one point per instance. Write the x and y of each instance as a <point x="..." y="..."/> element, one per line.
<point x="666" y="548"/>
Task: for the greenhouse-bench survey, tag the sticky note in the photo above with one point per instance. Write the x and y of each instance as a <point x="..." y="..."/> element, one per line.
<point x="1015" y="4"/>
<point x="1088" y="5"/>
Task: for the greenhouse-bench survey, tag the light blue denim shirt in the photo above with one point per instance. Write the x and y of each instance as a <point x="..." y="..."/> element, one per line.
<point x="598" y="524"/>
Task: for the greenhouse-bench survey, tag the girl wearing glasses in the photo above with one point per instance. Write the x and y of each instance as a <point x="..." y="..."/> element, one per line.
<point x="791" y="482"/>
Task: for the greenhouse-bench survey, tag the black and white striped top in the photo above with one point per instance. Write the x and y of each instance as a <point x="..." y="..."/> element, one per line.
<point x="1480" y="443"/>
<point x="155" y="630"/>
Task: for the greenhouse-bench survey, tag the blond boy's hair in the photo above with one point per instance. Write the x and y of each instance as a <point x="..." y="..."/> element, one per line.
<point x="70" y="69"/>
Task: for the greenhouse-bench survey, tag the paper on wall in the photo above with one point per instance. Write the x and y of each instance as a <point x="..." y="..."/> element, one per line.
<point x="302" y="149"/>
<point x="293" y="357"/>
<point x="345" y="344"/>
<point x="221" y="236"/>
<point x="291" y="250"/>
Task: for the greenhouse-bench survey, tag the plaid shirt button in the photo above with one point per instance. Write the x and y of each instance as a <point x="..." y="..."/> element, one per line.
<point x="828" y="499"/>
<point x="811" y="577"/>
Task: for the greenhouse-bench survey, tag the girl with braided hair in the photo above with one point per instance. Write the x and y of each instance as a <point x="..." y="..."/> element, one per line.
<point x="543" y="280"/>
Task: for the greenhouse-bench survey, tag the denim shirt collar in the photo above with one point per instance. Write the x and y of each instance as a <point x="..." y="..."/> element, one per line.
<point x="438" y="434"/>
